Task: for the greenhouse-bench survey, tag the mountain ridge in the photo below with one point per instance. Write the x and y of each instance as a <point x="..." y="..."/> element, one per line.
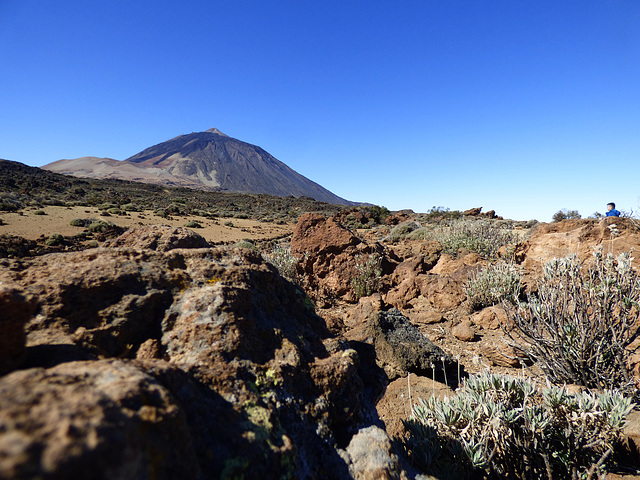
<point x="209" y="160"/>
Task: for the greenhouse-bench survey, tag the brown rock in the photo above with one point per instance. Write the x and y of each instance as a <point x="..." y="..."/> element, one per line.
<point x="401" y="394"/>
<point x="464" y="331"/>
<point x="99" y="419"/>
<point x="328" y="255"/>
<point x="15" y="311"/>
<point x="158" y="237"/>
<point x="499" y="353"/>
<point x="491" y="318"/>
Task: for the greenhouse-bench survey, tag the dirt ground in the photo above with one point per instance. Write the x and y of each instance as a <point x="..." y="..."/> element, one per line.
<point x="29" y="225"/>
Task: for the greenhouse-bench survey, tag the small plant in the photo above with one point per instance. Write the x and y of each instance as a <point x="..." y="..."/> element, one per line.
<point x="368" y="275"/>
<point x="99" y="226"/>
<point x="565" y="214"/>
<point x="282" y="258"/>
<point x="229" y="224"/>
<point x="580" y="323"/>
<point x="507" y="427"/>
<point x="493" y="284"/>
<point x="54" y="240"/>
<point x="39" y="212"/>
<point x="402" y="230"/>
<point x="245" y="243"/>
<point x="480" y="236"/>
<point x="193" y="224"/>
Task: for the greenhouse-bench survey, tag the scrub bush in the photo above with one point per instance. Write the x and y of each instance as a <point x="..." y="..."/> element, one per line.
<point x="493" y="284"/>
<point x="282" y="258"/>
<point x="580" y="323"/>
<point x="498" y="427"/>
<point x="480" y="236"/>
<point x="368" y="275"/>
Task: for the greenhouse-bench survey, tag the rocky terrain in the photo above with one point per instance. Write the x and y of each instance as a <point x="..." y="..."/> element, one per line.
<point x="156" y="355"/>
<point x="207" y="160"/>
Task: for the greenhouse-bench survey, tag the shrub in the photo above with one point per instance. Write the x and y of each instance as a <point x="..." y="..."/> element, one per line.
<point x="581" y="321"/>
<point x="115" y="211"/>
<point x="480" y="236"/>
<point x="39" y="212"/>
<point x="509" y="428"/>
<point x="282" y="258"/>
<point x="402" y="230"/>
<point x="54" y="240"/>
<point x="493" y="284"/>
<point x="131" y="207"/>
<point x="193" y="224"/>
<point x="99" y="226"/>
<point x="80" y="222"/>
<point x="245" y="243"/>
<point x="565" y="214"/>
<point x="368" y="275"/>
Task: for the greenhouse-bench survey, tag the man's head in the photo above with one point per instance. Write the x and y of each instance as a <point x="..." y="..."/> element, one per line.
<point x="610" y="206"/>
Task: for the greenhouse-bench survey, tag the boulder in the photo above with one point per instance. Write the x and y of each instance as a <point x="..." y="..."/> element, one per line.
<point x="329" y="255"/>
<point x="402" y="349"/>
<point x="161" y="238"/>
<point x="100" y="419"/>
<point x="234" y="365"/>
<point x="464" y="331"/>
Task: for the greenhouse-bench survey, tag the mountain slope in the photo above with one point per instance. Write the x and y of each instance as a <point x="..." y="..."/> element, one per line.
<point x="207" y="160"/>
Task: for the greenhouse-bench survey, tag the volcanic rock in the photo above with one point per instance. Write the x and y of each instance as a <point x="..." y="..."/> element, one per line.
<point x="402" y="349"/>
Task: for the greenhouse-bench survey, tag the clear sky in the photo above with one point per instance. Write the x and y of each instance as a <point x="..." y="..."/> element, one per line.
<point x="524" y="107"/>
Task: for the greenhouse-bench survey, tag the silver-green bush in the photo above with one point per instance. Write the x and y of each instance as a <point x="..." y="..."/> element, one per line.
<point x="368" y="276"/>
<point x="493" y="284"/>
<point x="481" y="236"/>
<point x="578" y="325"/>
<point x="506" y="427"/>
<point x="282" y="258"/>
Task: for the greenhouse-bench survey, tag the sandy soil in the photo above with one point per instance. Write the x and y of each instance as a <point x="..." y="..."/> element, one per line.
<point x="57" y="220"/>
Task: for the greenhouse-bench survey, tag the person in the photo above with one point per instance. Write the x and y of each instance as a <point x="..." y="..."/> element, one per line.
<point x="611" y="210"/>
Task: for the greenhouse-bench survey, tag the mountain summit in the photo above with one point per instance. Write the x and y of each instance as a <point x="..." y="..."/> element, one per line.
<point x="207" y="160"/>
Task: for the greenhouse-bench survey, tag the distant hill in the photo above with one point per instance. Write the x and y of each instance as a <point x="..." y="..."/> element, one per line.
<point x="207" y="160"/>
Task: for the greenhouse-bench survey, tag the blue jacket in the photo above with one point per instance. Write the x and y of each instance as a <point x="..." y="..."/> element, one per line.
<point x="613" y="213"/>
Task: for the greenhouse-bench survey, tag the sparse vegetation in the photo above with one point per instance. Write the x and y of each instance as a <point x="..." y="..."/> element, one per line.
<point x="368" y="275"/>
<point x="565" y="214"/>
<point x="580" y="323"/>
<point x="39" y="212"/>
<point x="481" y="236"/>
<point x="499" y="427"/>
<point x="54" y="240"/>
<point x="282" y="258"/>
<point x="193" y="224"/>
<point x="493" y="284"/>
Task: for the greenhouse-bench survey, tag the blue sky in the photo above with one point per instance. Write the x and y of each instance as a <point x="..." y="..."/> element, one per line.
<point x="524" y="107"/>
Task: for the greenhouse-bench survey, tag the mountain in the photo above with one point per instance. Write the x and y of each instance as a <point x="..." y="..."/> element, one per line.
<point x="207" y="160"/>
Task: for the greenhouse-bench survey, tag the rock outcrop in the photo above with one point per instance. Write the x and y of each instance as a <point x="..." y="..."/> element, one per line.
<point x="232" y="366"/>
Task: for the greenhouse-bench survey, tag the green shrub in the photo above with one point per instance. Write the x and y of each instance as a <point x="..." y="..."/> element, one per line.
<point x="80" y="222"/>
<point x="99" y="226"/>
<point x="506" y="427"/>
<point x="580" y="323"/>
<point x="131" y="207"/>
<point x="193" y="224"/>
<point x="245" y="243"/>
<point x="39" y="212"/>
<point x="480" y="236"/>
<point x="402" y="230"/>
<point x="54" y="240"/>
<point x="229" y="224"/>
<point x="368" y="275"/>
<point x="282" y="258"/>
<point x="115" y="211"/>
<point x="565" y="214"/>
<point x="493" y="284"/>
